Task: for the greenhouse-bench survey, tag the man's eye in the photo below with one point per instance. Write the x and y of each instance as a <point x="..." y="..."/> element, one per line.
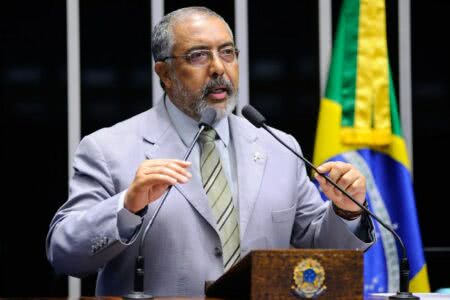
<point x="228" y="51"/>
<point x="198" y="55"/>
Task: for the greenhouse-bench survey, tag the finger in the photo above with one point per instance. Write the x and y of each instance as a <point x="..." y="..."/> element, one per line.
<point x="352" y="183"/>
<point x="181" y="169"/>
<point x="165" y="170"/>
<point x="324" y="184"/>
<point x="162" y="162"/>
<point x="158" y="179"/>
<point x="330" y="191"/>
<point x="335" y="174"/>
<point x="172" y="165"/>
<point x="347" y="179"/>
<point x="343" y="166"/>
<point x="337" y="170"/>
<point x="177" y="168"/>
<point x="181" y="163"/>
<point x="145" y="182"/>
<point x="326" y="167"/>
<point x="357" y="189"/>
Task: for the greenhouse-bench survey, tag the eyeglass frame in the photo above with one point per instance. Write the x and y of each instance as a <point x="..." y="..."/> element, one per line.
<point x="187" y="56"/>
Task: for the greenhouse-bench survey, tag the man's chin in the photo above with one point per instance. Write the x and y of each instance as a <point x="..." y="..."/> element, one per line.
<point x="219" y="106"/>
<point x="221" y="112"/>
<point x="223" y="107"/>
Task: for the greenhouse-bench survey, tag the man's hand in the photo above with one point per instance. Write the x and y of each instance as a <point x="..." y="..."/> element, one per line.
<point x="152" y="179"/>
<point x="347" y="177"/>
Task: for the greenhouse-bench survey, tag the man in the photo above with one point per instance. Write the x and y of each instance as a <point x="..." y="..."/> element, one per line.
<point x="239" y="191"/>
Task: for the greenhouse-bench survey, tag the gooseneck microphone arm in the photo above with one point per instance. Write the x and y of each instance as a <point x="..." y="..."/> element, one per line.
<point x="338" y="187"/>
<point x="207" y="119"/>
<point x="149" y="224"/>
<point x="258" y="120"/>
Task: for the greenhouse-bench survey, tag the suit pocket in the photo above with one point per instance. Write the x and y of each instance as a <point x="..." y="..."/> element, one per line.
<point x="279" y="216"/>
<point x="282" y="222"/>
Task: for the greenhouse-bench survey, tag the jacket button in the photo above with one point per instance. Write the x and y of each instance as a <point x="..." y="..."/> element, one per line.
<point x="217" y="252"/>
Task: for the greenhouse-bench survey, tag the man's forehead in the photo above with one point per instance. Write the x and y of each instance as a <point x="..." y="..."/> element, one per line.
<point x="195" y="30"/>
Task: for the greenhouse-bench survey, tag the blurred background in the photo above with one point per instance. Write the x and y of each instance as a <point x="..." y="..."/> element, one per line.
<point x="116" y="83"/>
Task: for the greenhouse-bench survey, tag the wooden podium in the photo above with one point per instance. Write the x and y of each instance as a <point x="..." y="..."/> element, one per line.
<point x="293" y="274"/>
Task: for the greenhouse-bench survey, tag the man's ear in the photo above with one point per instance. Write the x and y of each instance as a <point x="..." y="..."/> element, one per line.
<point x="162" y="69"/>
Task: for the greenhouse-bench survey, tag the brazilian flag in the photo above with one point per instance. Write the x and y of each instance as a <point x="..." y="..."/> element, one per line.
<point x="359" y="123"/>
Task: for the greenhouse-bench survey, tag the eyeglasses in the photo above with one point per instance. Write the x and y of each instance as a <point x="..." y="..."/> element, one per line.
<point x="203" y="57"/>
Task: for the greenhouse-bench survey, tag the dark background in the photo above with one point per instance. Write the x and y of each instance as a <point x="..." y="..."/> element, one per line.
<point x="116" y="84"/>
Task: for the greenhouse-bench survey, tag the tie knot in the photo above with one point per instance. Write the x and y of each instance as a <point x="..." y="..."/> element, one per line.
<point x="208" y="135"/>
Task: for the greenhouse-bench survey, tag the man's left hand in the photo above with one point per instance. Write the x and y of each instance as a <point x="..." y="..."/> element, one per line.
<point x="348" y="178"/>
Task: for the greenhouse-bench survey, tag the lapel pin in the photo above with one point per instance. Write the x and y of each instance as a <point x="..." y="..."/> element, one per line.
<point x="257" y="156"/>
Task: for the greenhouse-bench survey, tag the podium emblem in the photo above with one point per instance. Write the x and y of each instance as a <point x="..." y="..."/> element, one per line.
<point x="309" y="278"/>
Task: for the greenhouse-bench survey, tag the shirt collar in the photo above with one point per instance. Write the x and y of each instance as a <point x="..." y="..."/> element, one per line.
<point x="187" y="127"/>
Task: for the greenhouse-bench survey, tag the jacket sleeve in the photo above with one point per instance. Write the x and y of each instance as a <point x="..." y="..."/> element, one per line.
<point x="88" y="230"/>
<point x="316" y="225"/>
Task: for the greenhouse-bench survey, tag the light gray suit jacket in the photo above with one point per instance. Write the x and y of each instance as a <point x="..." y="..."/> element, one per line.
<point x="278" y="207"/>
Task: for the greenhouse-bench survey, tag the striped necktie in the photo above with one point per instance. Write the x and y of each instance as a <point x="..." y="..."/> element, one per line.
<point x="220" y="198"/>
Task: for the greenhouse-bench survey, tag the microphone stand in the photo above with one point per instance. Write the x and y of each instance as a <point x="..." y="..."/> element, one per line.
<point x="138" y="290"/>
<point x="403" y="293"/>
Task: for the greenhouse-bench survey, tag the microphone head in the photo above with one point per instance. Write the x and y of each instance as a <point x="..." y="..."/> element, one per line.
<point x="208" y="117"/>
<point x="253" y="116"/>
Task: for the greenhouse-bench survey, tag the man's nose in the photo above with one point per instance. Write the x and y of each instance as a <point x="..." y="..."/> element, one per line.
<point x="216" y="67"/>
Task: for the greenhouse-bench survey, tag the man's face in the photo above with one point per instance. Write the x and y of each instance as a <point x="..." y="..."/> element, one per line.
<point x="213" y="84"/>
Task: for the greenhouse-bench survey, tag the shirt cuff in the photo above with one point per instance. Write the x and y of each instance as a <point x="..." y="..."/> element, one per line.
<point x="128" y="223"/>
<point x="353" y="225"/>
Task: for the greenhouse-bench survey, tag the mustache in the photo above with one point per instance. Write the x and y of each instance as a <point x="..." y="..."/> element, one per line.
<point x="218" y="82"/>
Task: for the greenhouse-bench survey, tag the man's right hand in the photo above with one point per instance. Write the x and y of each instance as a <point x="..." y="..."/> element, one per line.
<point x="152" y="179"/>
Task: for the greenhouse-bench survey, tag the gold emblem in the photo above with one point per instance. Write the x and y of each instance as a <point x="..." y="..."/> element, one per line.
<point x="309" y="278"/>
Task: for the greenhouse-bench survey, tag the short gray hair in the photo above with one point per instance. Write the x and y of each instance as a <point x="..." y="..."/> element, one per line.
<point x="162" y="36"/>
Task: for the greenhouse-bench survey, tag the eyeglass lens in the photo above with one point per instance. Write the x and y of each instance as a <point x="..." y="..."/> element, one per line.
<point x="201" y="57"/>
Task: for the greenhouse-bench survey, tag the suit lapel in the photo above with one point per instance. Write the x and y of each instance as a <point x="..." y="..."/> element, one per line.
<point x="162" y="141"/>
<point x="251" y="160"/>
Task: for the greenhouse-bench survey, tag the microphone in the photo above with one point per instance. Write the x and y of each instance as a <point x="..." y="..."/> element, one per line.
<point x="208" y="118"/>
<point x="258" y="120"/>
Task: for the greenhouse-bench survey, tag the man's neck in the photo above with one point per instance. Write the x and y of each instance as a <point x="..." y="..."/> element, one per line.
<point x="186" y="126"/>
